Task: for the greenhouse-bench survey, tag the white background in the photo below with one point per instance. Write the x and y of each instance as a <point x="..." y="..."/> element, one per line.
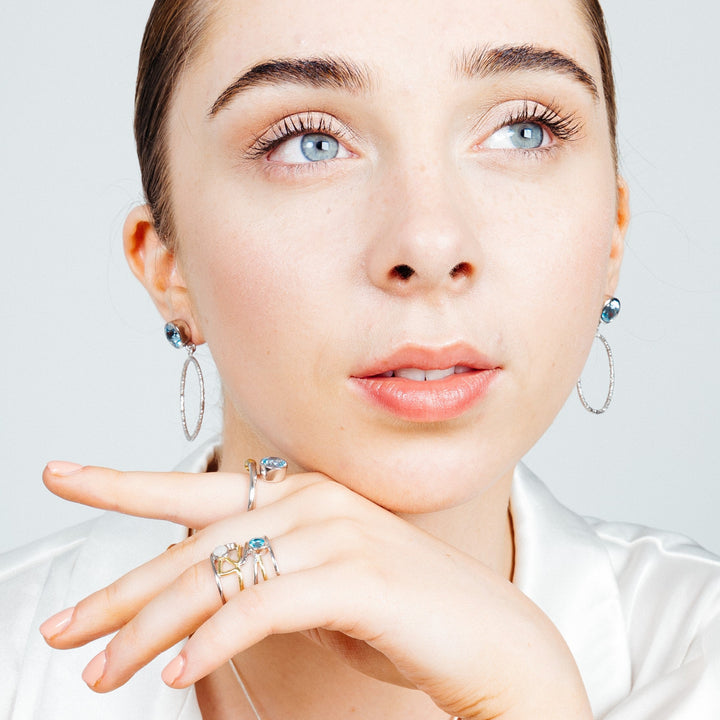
<point x="86" y="375"/>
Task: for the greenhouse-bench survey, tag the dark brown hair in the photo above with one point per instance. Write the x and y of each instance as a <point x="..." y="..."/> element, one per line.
<point x="596" y="21"/>
<point x="174" y="35"/>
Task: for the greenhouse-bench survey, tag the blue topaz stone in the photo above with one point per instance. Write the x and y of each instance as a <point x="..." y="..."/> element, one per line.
<point x="177" y="333"/>
<point x="273" y="463"/>
<point x="611" y="310"/>
<point x="273" y="469"/>
<point x="257" y="544"/>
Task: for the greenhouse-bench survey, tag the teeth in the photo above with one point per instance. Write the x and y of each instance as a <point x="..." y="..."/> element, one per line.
<point x="410" y="373"/>
<point x="421" y="375"/>
<point x="439" y="374"/>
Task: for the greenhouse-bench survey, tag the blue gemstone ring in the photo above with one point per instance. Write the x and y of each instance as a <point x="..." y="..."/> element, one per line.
<point x="272" y="470"/>
<point x="254" y="551"/>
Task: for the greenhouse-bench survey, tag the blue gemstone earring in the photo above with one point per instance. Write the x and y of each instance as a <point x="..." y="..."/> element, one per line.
<point x="610" y="311"/>
<point x="179" y="336"/>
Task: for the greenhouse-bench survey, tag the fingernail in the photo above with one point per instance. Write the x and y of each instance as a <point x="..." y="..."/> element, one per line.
<point x="94" y="671"/>
<point x="171" y="674"/>
<point x="53" y="626"/>
<point x="61" y="468"/>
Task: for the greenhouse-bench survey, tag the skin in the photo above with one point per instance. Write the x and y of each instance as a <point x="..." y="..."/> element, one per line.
<point x="286" y="270"/>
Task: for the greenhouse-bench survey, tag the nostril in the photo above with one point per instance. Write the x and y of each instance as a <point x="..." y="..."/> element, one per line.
<point x="402" y="271"/>
<point x="462" y="269"/>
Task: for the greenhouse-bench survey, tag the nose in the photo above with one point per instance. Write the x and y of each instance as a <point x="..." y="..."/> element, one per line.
<point x="424" y="240"/>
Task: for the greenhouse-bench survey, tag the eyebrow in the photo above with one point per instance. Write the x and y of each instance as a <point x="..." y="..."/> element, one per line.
<point x="317" y="72"/>
<point x="341" y="74"/>
<point x="486" y="62"/>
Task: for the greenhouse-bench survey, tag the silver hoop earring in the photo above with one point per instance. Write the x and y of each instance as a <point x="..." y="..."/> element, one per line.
<point x="178" y="335"/>
<point x="610" y="311"/>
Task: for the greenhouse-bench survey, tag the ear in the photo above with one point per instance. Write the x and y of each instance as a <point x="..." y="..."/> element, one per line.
<point x="617" y="248"/>
<point x="155" y="265"/>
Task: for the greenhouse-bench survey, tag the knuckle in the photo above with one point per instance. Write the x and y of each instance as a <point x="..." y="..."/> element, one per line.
<point x="113" y="488"/>
<point x="347" y="533"/>
<point x="178" y="552"/>
<point x="195" y="578"/>
<point x="105" y="603"/>
<point x="256" y="610"/>
<point x="333" y="497"/>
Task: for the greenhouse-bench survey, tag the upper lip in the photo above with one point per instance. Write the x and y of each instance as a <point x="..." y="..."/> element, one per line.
<point x="428" y="358"/>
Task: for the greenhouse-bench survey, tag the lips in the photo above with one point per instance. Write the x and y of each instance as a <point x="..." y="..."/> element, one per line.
<point x="425" y="384"/>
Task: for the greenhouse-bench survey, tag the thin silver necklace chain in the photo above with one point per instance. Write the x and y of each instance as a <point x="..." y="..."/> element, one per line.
<point x="244" y="689"/>
<point x="249" y="699"/>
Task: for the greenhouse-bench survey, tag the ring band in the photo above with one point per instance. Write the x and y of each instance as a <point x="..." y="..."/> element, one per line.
<point x="272" y="470"/>
<point x="223" y="564"/>
<point x="255" y="549"/>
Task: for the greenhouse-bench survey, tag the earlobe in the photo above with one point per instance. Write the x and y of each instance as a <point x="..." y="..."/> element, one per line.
<point x="155" y="265"/>
<point x="617" y="248"/>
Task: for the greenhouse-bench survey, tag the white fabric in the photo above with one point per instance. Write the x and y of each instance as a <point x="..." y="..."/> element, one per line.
<point x="640" y="610"/>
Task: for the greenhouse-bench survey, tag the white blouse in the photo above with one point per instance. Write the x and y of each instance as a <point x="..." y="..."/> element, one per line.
<point x="639" y="609"/>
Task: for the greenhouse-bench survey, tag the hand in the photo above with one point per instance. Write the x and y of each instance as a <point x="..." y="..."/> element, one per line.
<point x="392" y="600"/>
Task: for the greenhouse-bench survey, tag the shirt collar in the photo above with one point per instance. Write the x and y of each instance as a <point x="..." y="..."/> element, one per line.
<point x="562" y="566"/>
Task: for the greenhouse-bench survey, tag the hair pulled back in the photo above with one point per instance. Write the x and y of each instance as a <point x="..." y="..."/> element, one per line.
<point x="174" y="34"/>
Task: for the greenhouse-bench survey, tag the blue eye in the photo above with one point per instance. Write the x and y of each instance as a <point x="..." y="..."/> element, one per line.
<point x="518" y="136"/>
<point x="319" y="147"/>
<point x="308" y="148"/>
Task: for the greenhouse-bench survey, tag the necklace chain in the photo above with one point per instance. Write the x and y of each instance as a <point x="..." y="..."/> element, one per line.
<point x="244" y="689"/>
<point x="249" y="699"/>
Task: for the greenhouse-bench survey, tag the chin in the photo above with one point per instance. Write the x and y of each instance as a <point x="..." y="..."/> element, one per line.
<point x="422" y="476"/>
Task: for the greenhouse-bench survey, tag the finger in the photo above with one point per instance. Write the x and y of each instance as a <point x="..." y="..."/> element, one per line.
<point x="108" y="609"/>
<point x="191" y="499"/>
<point x="286" y="604"/>
<point x="183" y="606"/>
<point x="112" y="607"/>
<point x="174" y="615"/>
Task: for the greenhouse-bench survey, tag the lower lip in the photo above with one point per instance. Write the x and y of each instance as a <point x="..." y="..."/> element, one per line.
<point x="429" y="400"/>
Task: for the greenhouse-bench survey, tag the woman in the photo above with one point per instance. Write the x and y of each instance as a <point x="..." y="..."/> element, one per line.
<point x="400" y="268"/>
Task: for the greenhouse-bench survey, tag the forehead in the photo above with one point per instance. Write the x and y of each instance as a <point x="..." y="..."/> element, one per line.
<point x="406" y="41"/>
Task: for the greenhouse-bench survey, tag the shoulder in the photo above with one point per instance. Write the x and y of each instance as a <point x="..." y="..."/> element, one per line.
<point x="669" y="588"/>
<point x="33" y="580"/>
<point x="49" y="575"/>
<point x="639" y="607"/>
<point x="642" y="556"/>
<point x="25" y="573"/>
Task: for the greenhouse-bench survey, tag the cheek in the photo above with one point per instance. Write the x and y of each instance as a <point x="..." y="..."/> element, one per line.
<point x="556" y="274"/>
<point x="267" y="295"/>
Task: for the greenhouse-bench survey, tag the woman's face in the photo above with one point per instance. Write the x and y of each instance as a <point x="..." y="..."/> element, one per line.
<point x="396" y="194"/>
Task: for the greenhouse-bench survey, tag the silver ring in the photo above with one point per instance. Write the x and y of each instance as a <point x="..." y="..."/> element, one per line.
<point x="272" y="470"/>
<point x="254" y="550"/>
<point x="227" y="560"/>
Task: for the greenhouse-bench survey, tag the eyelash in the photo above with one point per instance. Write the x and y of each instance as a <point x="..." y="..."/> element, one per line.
<point x="563" y="127"/>
<point x="295" y="126"/>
